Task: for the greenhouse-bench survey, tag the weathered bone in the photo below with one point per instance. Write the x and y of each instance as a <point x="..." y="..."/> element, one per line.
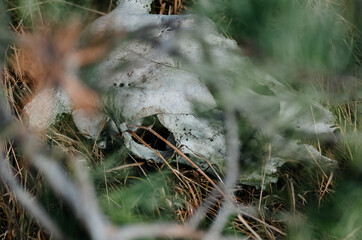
<point x="155" y="82"/>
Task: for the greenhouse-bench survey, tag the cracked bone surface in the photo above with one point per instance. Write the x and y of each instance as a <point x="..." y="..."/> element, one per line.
<point x="149" y="78"/>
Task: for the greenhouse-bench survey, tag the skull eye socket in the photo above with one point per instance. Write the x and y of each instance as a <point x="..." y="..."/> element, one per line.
<point x="151" y="139"/>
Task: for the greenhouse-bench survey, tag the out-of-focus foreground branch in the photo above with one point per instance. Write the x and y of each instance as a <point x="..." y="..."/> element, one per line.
<point x="80" y="195"/>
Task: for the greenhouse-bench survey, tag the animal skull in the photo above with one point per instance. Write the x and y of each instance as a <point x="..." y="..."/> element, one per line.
<point x="156" y="82"/>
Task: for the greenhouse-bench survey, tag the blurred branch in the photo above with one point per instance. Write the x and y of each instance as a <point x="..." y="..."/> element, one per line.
<point x="81" y="198"/>
<point x="155" y="230"/>
<point x="220" y="221"/>
<point x="200" y="213"/>
<point x="232" y="174"/>
<point x="28" y="201"/>
<point x="233" y="154"/>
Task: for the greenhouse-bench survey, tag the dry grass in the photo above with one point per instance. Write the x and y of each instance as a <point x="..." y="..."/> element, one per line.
<point x="25" y="74"/>
<point x="169" y="7"/>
